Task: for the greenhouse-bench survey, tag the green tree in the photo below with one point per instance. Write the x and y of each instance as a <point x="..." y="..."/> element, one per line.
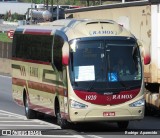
<point x="6" y="16"/>
<point x="15" y="16"/>
<point x="61" y="2"/>
<point x="34" y="1"/>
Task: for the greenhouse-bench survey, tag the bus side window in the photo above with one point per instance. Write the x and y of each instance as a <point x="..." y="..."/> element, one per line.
<point x="46" y="48"/>
<point x="14" y="45"/>
<point x="19" y="47"/>
<point x="57" y="52"/>
<point x="32" y="47"/>
<point x="39" y="47"/>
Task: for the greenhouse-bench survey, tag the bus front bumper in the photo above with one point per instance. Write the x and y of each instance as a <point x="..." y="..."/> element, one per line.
<point x="132" y="113"/>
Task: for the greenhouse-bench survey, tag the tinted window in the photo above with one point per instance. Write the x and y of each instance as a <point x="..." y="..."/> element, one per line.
<point x="57" y="51"/>
<point x="33" y="47"/>
<point x="100" y="65"/>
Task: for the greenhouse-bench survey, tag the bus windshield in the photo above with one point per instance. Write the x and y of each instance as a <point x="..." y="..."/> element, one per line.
<point x="105" y="65"/>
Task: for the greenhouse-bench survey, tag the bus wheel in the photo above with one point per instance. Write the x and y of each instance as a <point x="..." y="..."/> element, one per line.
<point x="64" y="124"/>
<point x="146" y="112"/>
<point x="30" y="114"/>
<point x="123" y="124"/>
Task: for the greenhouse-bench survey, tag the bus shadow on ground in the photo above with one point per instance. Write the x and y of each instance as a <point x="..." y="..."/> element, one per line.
<point x="109" y="126"/>
<point x="87" y="126"/>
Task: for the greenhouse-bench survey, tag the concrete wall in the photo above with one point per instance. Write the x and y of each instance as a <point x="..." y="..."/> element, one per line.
<point x="5" y="58"/>
<point x="5" y="66"/>
<point x="5" y="50"/>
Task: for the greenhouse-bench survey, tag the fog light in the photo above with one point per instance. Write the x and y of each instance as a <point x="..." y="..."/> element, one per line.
<point x="138" y="103"/>
<point x="76" y="113"/>
<point x="75" y="104"/>
<point x="140" y="111"/>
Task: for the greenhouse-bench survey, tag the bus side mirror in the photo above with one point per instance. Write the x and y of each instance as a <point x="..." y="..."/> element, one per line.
<point x="145" y="53"/>
<point x="147" y="60"/>
<point x="65" y="54"/>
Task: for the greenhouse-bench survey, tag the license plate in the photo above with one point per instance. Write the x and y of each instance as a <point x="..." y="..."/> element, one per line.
<point x="108" y="113"/>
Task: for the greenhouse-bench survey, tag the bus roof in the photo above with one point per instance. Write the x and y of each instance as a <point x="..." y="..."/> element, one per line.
<point x="76" y="28"/>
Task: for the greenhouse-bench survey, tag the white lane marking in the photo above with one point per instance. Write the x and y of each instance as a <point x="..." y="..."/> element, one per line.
<point x="93" y="136"/>
<point x="6" y="114"/>
<point x="17" y="121"/>
<point x="75" y="134"/>
<point x="10" y="118"/>
<point x="24" y="125"/>
<point x="24" y="118"/>
<point x="3" y="76"/>
<point x="47" y="123"/>
<point x="42" y="124"/>
<point x="12" y="114"/>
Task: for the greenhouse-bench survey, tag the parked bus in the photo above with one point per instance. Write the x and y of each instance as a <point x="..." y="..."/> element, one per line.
<point x="66" y="69"/>
<point x="142" y="18"/>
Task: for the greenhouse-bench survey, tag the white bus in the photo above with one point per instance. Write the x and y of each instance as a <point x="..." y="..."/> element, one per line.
<point x="67" y="69"/>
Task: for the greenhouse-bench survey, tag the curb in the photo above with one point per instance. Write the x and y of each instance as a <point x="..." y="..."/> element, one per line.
<point x="5" y="74"/>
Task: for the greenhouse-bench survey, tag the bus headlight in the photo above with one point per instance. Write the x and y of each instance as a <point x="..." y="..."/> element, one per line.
<point x="77" y="105"/>
<point x="138" y="103"/>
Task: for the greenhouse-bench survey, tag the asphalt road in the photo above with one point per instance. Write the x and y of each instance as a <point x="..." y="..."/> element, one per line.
<point x="12" y="118"/>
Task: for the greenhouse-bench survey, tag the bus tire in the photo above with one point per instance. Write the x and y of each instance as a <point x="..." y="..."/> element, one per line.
<point x="64" y="124"/>
<point x="123" y="124"/>
<point x="30" y="114"/>
<point x="146" y="112"/>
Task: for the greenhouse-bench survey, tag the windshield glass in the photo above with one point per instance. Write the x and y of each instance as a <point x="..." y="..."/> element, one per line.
<point x="105" y="65"/>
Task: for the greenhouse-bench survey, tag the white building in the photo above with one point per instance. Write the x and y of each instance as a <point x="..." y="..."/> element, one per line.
<point x="14" y="7"/>
<point x="8" y="0"/>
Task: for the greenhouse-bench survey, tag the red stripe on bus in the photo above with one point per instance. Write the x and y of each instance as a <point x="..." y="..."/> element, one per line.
<point x="65" y="115"/>
<point x="31" y="61"/>
<point x="113" y="99"/>
<point x="46" y="88"/>
<point x="19" y="82"/>
<point x="36" y="107"/>
<point x="37" y="32"/>
<point x="40" y="86"/>
<point x="42" y="109"/>
<point x="19" y="102"/>
<point x="48" y="111"/>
